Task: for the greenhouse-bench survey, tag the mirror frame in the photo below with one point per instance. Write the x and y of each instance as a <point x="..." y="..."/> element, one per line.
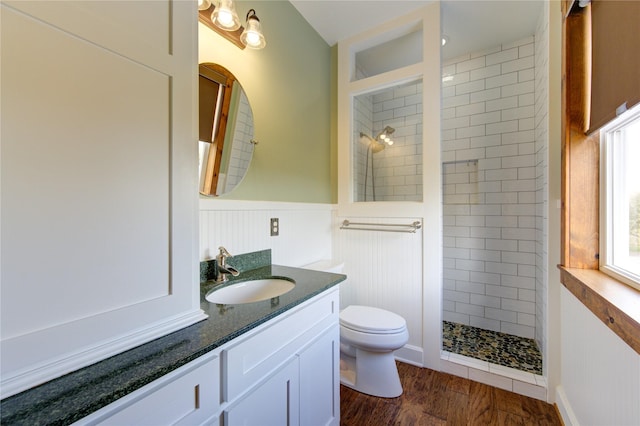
<point x="213" y="121"/>
<point x="222" y="102"/>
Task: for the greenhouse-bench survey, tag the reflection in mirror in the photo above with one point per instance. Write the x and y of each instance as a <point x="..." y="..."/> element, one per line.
<point x="225" y="130"/>
<point x="388" y="144"/>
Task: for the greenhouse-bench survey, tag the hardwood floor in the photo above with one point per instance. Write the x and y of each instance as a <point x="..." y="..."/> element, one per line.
<point x="435" y="398"/>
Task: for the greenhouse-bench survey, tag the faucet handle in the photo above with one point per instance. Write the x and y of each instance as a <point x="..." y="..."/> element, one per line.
<point x="221" y="266"/>
<point x="222" y="256"/>
<point x="224" y="252"/>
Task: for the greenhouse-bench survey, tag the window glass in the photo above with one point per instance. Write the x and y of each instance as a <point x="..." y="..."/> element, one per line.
<point x="621" y="197"/>
<point x="396" y="53"/>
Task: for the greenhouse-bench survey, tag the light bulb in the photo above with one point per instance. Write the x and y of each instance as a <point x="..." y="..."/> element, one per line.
<point x="225" y="18"/>
<point x="224" y="15"/>
<point x="252" y="36"/>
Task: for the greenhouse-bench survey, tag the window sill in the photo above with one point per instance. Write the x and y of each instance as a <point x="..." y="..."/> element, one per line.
<point x="613" y="302"/>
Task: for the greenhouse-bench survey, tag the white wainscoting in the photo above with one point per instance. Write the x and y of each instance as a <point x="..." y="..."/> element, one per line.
<point x="244" y="226"/>
<point x="384" y="270"/>
<point x="600" y="373"/>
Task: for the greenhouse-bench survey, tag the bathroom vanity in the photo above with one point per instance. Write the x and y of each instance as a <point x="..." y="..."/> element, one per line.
<point x="269" y="362"/>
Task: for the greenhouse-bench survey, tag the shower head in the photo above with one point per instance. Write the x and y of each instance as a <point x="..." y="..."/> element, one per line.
<point x="383" y="136"/>
<point x="381" y="141"/>
<point x="374" y="145"/>
<point x="388" y="130"/>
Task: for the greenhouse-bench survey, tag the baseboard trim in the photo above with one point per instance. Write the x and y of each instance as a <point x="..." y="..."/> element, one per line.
<point x="411" y="355"/>
<point x="564" y="408"/>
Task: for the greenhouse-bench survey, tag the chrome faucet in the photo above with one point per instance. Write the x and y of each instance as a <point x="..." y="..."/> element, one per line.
<point x="222" y="268"/>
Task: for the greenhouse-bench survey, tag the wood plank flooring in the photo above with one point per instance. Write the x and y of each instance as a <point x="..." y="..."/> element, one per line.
<point x="434" y="398"/>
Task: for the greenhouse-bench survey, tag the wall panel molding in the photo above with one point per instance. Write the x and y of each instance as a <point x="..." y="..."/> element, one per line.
<point x="99" y="213"/>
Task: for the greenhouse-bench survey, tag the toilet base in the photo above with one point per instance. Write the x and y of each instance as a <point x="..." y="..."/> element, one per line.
<point x="372" y="373"/>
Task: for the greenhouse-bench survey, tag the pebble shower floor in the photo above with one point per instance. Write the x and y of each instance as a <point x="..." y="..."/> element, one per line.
<point x="494" y="347"/>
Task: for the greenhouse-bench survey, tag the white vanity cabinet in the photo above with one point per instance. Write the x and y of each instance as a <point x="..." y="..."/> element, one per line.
<point x="286" y="372"/>
<point x="283" y="372"/>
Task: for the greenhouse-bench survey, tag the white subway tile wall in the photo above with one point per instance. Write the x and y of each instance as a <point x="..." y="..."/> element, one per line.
<point x="397" y="169"/>
<point x="491" y="186"/>
<point x="363" y="122"/>
<point x="541" y="126"/>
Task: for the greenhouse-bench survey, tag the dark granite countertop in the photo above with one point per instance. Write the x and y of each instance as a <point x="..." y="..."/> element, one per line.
<point x="71" y="397"/>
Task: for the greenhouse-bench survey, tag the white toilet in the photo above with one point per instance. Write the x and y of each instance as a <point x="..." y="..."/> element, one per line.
<point x="368" y="338"/>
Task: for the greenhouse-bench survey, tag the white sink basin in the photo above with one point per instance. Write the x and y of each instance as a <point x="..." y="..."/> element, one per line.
<point x="250" y="291"/>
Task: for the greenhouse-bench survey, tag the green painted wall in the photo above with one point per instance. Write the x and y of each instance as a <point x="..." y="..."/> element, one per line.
<point x="334" y="124"/>
<point x="290" y="86"/>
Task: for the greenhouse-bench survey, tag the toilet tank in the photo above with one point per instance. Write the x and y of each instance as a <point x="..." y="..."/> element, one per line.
<point x="326" y="265"/>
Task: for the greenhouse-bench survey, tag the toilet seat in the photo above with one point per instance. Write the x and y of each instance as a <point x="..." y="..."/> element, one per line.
<point x="367" y="319"/>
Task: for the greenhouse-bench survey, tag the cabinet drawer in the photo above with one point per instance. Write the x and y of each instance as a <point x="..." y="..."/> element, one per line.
<point x="189" y="395"/>
<point x="271" y="345"/>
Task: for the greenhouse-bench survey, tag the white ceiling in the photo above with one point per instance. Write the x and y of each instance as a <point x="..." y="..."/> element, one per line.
<point x="470" y="25"/>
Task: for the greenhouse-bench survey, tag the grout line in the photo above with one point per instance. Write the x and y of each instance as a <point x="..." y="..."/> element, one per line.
<point x="464" y="340"/>
<point x="495" y="370"/>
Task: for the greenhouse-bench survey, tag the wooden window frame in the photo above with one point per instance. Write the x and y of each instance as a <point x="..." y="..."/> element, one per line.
<point x="612" y="301"/>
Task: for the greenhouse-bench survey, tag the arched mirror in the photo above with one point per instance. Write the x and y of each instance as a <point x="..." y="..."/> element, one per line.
<point x="225" y="130"/>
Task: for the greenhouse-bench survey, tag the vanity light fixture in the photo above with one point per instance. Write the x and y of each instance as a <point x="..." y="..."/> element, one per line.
<point x="252" y="36"/>
<point x="221" y="17"/>
<point x="224" y="15"/>
<point x="445" y="40"/>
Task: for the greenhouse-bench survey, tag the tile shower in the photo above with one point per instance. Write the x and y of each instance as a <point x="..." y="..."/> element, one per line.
<point x="395" y="173"/>
<point x="494" y="154"/>
<point x="494" y="174"/>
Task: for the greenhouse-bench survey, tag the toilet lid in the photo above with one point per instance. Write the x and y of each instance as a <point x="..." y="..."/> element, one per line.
<point x="368" y="319"/>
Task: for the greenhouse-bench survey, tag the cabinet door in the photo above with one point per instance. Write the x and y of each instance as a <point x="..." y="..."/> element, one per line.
<point x="273" y="403"/>
<point x="320" y="380"/>
<point x="111" y="87"/>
